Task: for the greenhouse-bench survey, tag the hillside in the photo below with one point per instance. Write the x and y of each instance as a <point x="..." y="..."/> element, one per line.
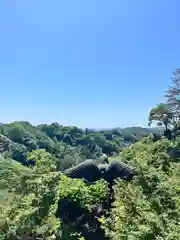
<point x="51" y="190"/>
<point x="42" y="202"/>
<point x="18" y="139"/>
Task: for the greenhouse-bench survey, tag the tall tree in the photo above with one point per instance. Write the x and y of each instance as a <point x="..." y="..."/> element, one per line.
<point x="173" y="99"/>
<point x="161" y="115"/>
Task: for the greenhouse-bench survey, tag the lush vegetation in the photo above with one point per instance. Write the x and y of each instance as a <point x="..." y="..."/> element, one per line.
<point x="37" y="201"/>
<point x="68" y="145"/>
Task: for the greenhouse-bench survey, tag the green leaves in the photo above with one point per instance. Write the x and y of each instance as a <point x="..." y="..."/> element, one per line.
<point x="77" y="190"/>
<point x="148" y="207"/>
<point x="161" y="114"/>
<point x="35" y="194"/>
<point x="43" y="160"/>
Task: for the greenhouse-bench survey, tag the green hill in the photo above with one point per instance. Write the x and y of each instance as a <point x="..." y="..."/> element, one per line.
<point x="17" y="139"/>
<point x="42" y="202"/>
<point x="37" y="201"/>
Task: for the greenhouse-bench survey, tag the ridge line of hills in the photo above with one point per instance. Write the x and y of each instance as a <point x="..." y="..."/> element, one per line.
<point x="19" y="138"/>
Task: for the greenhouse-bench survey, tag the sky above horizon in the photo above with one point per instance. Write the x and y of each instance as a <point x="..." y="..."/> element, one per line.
<point x="87" y="63"/>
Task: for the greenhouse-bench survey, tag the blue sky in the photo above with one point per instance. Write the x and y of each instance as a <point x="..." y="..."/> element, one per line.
<point x="86" y="63"/>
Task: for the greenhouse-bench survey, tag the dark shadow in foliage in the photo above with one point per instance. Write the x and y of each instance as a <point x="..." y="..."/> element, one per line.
<point x="174" y="153"/>
<point x="31" y="163"/>
<point x="18" y="152"/>
<point x="108" y="136"/>
<point x="156" y="137"/>
<point x="81" y="219"/>
<point x="67" y="139"/>
<point x="168" y="134"/>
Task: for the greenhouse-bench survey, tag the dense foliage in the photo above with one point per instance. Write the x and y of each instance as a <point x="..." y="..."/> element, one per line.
<point x="40" y="200"/>
<point x="148" y="207"/>
<point x="33" y="195"/>
<point x="68" y="145"/>
<point x="37" y="201"/>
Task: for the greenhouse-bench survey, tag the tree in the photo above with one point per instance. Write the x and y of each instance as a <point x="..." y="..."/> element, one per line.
<point x="173" y="93"/>
<point x="173" y="99"/>
<point x="44" y="161"/>
<point x="161" y="114"/>
<point x="16" y="133"/>
<point x="148" y="207"/>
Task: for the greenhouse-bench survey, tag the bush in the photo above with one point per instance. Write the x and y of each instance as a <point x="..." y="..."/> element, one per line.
<point x="148" y="207"/>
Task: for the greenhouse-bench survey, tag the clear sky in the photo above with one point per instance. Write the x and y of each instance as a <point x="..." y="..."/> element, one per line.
<point x="93" y="63"/>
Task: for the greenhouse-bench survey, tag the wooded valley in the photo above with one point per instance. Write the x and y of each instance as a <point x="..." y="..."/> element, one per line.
<point x="38" y="201"/>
